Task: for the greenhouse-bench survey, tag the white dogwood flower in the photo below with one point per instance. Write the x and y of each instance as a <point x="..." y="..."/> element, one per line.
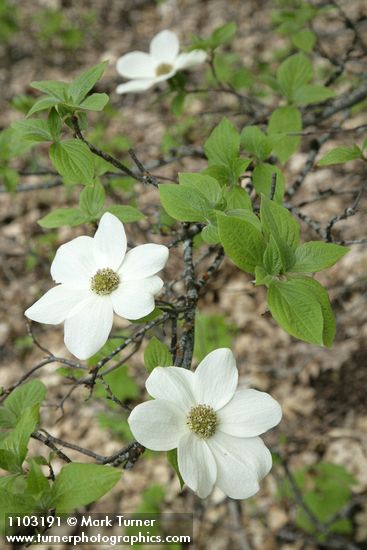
<point x="97" y="277"/>
<point x="163" y="62"/>
<point x="214" y="427"/>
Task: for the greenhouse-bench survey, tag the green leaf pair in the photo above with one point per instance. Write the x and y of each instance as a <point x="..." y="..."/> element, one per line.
<point x="222" y="149"/>
<point x="273" y="253"/>
<point x="227" y="166"/>
<point x="19" y="417"/>
<point x="326" y="489"/>
<point x="293" y="78"/>
<point x="340" y="155"/>
<point x="91" y="203"/>
<point x="199" y="197"/>
<point x="220" y="36"/>
<point x="72" y="97"/>
<point x="27" y="490"/>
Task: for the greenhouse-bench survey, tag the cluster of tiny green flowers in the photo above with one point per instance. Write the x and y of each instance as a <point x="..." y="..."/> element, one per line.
<point x="202" y="420"/>
<point x="104" y="281"/>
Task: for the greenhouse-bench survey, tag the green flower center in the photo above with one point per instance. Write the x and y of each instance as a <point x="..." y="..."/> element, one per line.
<point x="202" y="420"/>
<point x="163" y="68"/>
<point x="104" y="281"/>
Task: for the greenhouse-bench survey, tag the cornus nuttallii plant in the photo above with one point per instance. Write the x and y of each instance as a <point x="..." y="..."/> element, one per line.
<point x="97" y="277"/>
<point x="161" y="63"/>
<point x="214" y="426"/>
<point x="224" y="170"/>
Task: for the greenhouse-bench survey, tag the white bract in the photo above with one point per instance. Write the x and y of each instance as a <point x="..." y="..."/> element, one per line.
<point x="97" y="278"/>
<point x="163" y="62"/>
<point x="214" y="427"/>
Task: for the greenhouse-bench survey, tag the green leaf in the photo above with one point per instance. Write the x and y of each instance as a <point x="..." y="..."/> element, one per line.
<point x="125" y="213"/>
<point x="228" y="175"/>
<point x="223" y="34"/>
<point x="256" y="142"/>
<point x="313" y="287"/>
<point x="14" y="503"/>
<point x="293" y="73"/>
<point x="54" y="124"/>
<point x="304" y="40"/>
<point x="262" y="178"/>
<point x="12" y="144"/>
<point x="242" y="242"/>
<point x="101" y="167"/>
<point x="262" y="277"/>
<point x="204" y="184"/>
<point x="210" y="234"/>
<point x="43" y="104"/>
<point x="280" y="224"/>
<point x="92" y="199"/>
<point x="80" y="484"/>
<point x="282" y="121"/>
<point x="73" y="160"/>
<point x="53" y="88"/>
<point x="9" y="461"/>
<point x="184" y="203"/>
<point x="122" y="385"/>
<point x="219" y="172"/>
<point x="340" y="155"/>
<point x="315" y="256"/>
<point x="10" y="178"/>
<point x="223" y="144"/>
<point x="224" y="66"/>
<point x="296" y="310"/>
<point x="63" y="216"/>
<point x="211" y="332"/>
<point x="271" y="260"/>
<point x="84" y="82"/>
<point x="16" y="440"/>
<point x="37" y="483"/>
<point x="157" y="355"/>
<point x="237" y="197"/>
<point x="33" y="129"/>
<point x="312" y="93"/>
<point x="172" y="459"/>
<point x="246" y="215"/>
<point x="95" y="102"/>
<point x="27" y="395"/>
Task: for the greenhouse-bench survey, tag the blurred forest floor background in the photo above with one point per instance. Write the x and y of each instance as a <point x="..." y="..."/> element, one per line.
<point x="322" y="391"/>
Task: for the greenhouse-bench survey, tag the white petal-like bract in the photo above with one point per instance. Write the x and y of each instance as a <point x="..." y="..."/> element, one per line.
<point x="196" y="464"/>
<point x="190" y="59"/>
<point x="172" y="384"/>
<point x="135" y="86"/>
<point x="143" y="261"/>
<point x="87" y="331"/>
<point x="249" y="413"/>
<point x="158" y="425"/>
<point x="241" y="464"/>
<point x="135" y="299"/>
<point x="57" y="304"/>
<point x="74" y="262"/>
<point x="165" y="47"/>
<point x="109" y="243"/>
<point x="216" y="378"/>
<point x="136" y="65"/>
